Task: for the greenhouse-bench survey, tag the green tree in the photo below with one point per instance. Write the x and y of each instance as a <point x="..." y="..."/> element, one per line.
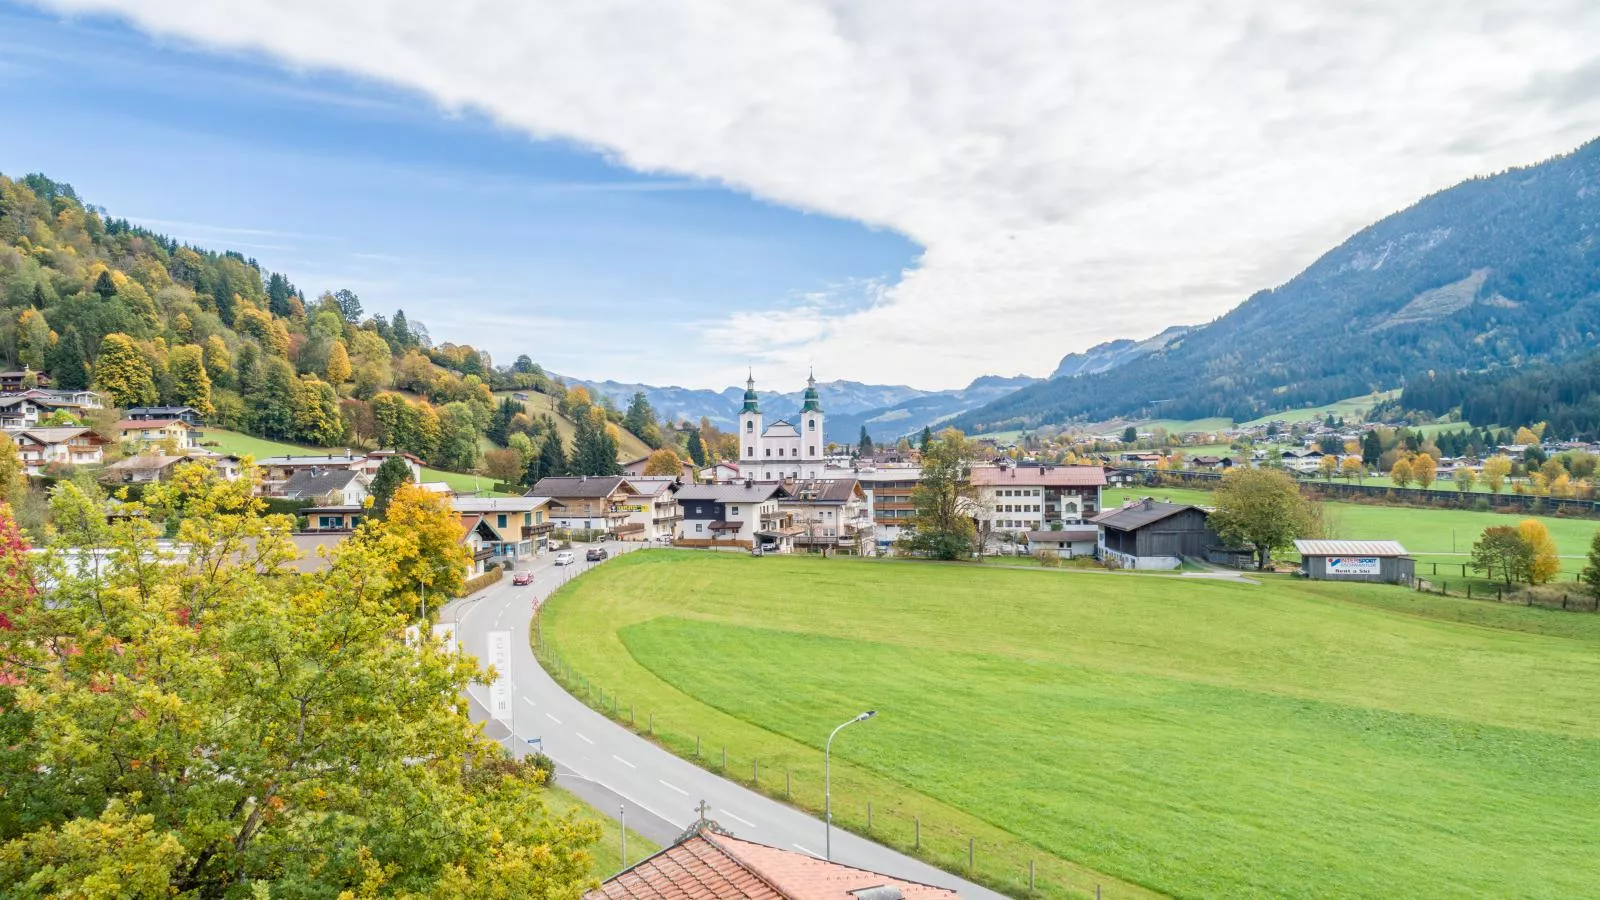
<point x="1591" y="572"/>
<point x="1502" y="549"/>
<point x="123" y="374"/>
<point x="864" y="445"/>
<point x="926" y="439"/>
<point x="316" y="412"/>
<point x="393" y="472"/>
<point x="500" y="421"/>
<point x="594" y="450"/>
<point x="1130" y="435"/>
<point x="191" y="386"/>
<point x="1371" y="449"/>
<point x="279" y="293"/>
<point x="349" y="304"/>
<point x="552" y="457"/>
<point x="943" y="527"/>
<point x="641" y="420"/>
<point x="458" y="437"/>
<point x="1261" y="508"/>
<point x="269" y="398"/>
<point x="33" y="340"/>
<point x="696" y="447"/>
<point x="68" y="364"/>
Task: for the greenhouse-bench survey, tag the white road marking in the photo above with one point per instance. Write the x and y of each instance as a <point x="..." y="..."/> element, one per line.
<point x="737" y="819"/>
<point x="672" y="786"/>
<point x="582" y="737"/>
<point x="623" y="761"/>
<point x="529" y="702"/>
<point x="811" y="853"/>
<point x="552" y="718"/>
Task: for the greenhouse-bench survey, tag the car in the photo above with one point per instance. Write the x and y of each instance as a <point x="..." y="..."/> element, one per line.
<point x="596" y="554"/>
<point x="565" y="558"/>
<point x="522" y="578"/>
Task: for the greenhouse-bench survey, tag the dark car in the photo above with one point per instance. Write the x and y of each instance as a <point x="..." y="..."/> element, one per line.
<point x="596" y="554"/>
<point x="522" y="578"/>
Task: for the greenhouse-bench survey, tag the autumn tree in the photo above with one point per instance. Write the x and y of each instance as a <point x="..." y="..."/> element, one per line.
<point x="219" y="362"/>
<point x="1465" y="479"/>
<point x="338" y="368"/>
<point x="1495" y="470"/>
<point x="1502" y="549"/>
<point x="503" y="464"/>
<point x="1544" y="560"/>
<point x="1525" y="437"/>
<point x="122" y="373"/>
<point x="1351" y="468"/>
<point x="1328" y="466"/>
<point x="316" y="412"/>
<point x="1400" y="474"/>
<point x="1261" y="508"/>
<point x="663" y="462"/>
<point x="943" y="527"/>
<point x="191" y="386"/>
<point x="1423" y="470"/>
<point x="13" y="480"/>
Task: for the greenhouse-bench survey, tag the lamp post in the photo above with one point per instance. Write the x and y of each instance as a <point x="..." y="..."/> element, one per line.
<point x="827" y="784"/>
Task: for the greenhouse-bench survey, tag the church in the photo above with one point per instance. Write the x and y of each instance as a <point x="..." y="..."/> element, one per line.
<point x="782" y="449"/>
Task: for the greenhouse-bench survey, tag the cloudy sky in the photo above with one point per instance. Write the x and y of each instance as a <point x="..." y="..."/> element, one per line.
<point x="910" y="192"/>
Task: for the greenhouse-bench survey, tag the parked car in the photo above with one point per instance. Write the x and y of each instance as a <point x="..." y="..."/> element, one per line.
<point x="522" y="578"/>
<point x="596" y="554"/>
<point x="565" y="558"/>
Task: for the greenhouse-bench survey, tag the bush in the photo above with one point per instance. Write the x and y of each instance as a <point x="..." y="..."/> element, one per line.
<point x="473" y="585"/>
<point x="1048" y="558"/>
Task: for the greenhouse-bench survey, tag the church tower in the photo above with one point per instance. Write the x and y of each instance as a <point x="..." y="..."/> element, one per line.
<point x="813" y="441"/>
<point x="750" y="424"/>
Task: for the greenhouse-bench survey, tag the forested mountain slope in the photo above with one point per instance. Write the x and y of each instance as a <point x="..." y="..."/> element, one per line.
<point x="1500" y="270"/>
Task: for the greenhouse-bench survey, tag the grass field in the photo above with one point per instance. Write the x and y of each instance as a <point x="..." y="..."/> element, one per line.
<point x="608" y="852"/>
<point x="247" y="445"/>
<point x="1159" y="736"/>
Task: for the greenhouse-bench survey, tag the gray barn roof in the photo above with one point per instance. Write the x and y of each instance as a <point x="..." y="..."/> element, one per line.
<point x="1349" y="548"/>
<point x="1139" y="515"/>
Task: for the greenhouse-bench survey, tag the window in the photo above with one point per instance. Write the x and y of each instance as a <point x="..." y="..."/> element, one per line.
<point x="769" y="451"/>
<point x="699" y="526"/>
<point x="749" y="425"/>
<point x="501" y="520"/>
<point x="813" y="450"/>
<point x="735" y="511"/>
<point x="749" y="451"/>
<point x="697" y="509"/>
<point x="780" y="451"/>
<point x="811" y="425"/>
<point x="527" y="518"/>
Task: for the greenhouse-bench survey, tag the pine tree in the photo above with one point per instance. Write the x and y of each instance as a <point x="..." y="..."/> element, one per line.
<point x="500" y="421"/>
<point x="594" y="450"/>
<point x="402" y="331"/>
<point x="104" y="286"/>
<point x="926" y="440"/>
<point x="69" y="367"/>
<point x="1371" y="449"/>
<point x="338" y="368"/>
<point x="552" y="454"/>
<point x="865" y="444"/>
<point x="123" y="373"/>
<point x="697" y="447"/>
<point x="279" y="293"/>
<point x="641" y="420"/>
<point x="393" y="472"/>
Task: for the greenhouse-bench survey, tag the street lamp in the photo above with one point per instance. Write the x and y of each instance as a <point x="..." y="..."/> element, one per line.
<point x="827" y="784"/>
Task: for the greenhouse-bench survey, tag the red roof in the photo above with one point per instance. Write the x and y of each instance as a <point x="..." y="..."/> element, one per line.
<point x="1043" y="476"/>
<point x="710" y="865"/>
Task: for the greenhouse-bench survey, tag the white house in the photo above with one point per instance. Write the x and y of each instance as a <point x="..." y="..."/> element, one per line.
<point x="328" y="487"/>
<point x="654" y="513"/>
<point x="747" y="514"/>
<point x="831" y="514"/>
<point x="782" y="449"/>
<point x="41" y="447"/>
<point x="1020" y="498"/>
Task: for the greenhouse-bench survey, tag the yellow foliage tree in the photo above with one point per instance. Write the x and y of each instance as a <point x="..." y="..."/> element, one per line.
<point x="1525" y="436"/>
<point x="1329" y="466"/>
<point x="1546" y="560"/>
<point x="1401" y="473"/>
<point x="1495" y="470"/>
<point x="338" y="369"/>
<point x="1465" y="479"/>
<point x="1350" y="467"/>
<point x="1423" y="469"/>
<point x="663" y="462"/>
<point x="1561" y="485"/>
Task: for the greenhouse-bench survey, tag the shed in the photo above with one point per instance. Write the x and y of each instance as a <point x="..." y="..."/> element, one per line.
<point x="1378" y="561"/>
<point x="1153" y="535"/>
<point x="1067" y="542"/>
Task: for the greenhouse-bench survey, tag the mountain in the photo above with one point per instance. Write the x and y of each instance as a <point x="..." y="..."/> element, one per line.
<point x="1111" y="354"/>
<point x="1496" y="271"/>
<point x="909" y="417"/>
<point x="675" y="404"/>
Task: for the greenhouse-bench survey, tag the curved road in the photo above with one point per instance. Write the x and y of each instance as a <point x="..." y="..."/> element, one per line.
<point x="612" y="768"/>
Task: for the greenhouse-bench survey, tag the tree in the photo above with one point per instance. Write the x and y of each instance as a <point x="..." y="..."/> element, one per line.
<point x="503" y="464"/>
<point x="316" y="412"/>
<point x="1544" y="560"/>
<point x="500" y="421"/>
<point x="663" y="462"/>
<point x="338" y="369"/>
<point x="523" y="365"/>
<point x="864" y="446"/>
<point x="1591" y="572"/>
<point x="457" y="448"/>
<point x="123" y="374"/>
<point x="279" y="293"/>
<point x="696" y="448"/>
<point x="1262" y="508"/>
<point x="1371" y="449"/>
<point x="1465" y="479"/>
<point x="13" y="478"/>
<point x="1401" y="473"/>
<point x="404" y="337"/>
<point x="191" y="386"/>
<point x="68" y="364"/>
<point x="594" y="450"/>
<point x="943" y="526"/>
<point x="641" y="420"/>
<point x="926" y="439"/>
<point x="237" y="728"/>
<point x="1502" y="549"/>
<point x="1130" y="435"/>
<point x="349" y="304"/>
<point x="1423" y="469"/>
<point x="1526" y="437"/>
<point x="269" y="397"/>
<point x="104" y="285"/>
<point x="1328" y="466"/>
<point x="393" y="472"/>
<point x="552" y="459"/>
<point x="1351" y="467"/>
<point x="1495" y="470"/>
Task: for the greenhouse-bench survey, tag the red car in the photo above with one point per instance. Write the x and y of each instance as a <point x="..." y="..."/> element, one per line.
<point x="522" y="578"/>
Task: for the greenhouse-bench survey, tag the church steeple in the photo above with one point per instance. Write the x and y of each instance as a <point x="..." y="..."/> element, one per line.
<point x="752" y="404"/>
<point x="812" y="402"/>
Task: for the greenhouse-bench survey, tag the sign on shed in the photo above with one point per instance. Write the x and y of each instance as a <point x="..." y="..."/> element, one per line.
<point x="1353" y="565"/>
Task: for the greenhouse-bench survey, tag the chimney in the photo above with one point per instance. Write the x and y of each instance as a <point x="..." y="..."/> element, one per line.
<point x="1149" y="504"/>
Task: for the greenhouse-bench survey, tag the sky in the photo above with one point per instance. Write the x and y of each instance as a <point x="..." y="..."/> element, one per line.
<point x="903" y="191"/>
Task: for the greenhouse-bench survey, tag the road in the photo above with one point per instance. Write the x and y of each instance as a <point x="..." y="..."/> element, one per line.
<point x="612" y="767"/>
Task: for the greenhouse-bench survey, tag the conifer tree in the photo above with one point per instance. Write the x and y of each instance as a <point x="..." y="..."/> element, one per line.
<point x="69" y="366"/>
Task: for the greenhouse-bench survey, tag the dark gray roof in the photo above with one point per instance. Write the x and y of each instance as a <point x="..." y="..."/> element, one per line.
<point x="1141" y="514"/>
<point x="583" y="486"/>
<point x="740" y="492"/>
<point x="823" y="490"/>
<point x="1065" y="534"/>
<point x="316" y="482"/>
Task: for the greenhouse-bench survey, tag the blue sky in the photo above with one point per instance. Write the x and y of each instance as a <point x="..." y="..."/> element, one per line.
<point x="484" y="234"/>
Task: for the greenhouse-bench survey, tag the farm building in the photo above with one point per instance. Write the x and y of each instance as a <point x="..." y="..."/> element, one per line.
<point x="1380" y="561"/>
<point x="1154" y="535"/>
<point x="1066" y="542"/>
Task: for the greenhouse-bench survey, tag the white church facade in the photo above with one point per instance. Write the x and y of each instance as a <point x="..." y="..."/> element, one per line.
<point x="783" y="448"/>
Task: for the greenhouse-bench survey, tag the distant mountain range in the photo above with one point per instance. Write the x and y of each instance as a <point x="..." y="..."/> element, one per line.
<point x="1496" y="271"/>
<point x="889" y="411"/>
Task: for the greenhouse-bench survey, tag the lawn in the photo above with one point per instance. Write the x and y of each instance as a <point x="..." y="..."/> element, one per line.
<point x="1158" y="736"/>
<point x="1350" y="408"/>
<point x="248" y="445"/>
<point x="608" y="852"/>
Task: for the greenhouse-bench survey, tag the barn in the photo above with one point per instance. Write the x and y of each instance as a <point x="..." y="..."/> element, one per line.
<point x="1067" y="542"/>
<point x="1376" y="561"/>
<point x="1151" y="534"/>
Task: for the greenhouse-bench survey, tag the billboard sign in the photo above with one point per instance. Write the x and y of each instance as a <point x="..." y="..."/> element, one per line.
<point x="1353" y="565"/>
<point x="500" y="690"/>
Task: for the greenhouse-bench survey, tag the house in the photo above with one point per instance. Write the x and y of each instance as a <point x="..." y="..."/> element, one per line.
<point x="653" y="513"/>
<point x="12" y="382"/>
<point x="889" y="501"/>
<point x="747" y="514"/>
<point x="479" y="539"/>
<point x="782" y="449"/>
<point x="276" y="470"/>
<point x="1066" y="542"/>
<point x="515" y="528"/>
<point x="1303" y="461"/>
<point x="186" y="414"/>
<point x="1149" y="534"/>
<point x="26" y="409"/>
<point x="708" y="862"/>
<point x="720" y="473"/>
<point x="333" y="518"/>
<point x="832" y="514"/>
<point x="69" y="446"/>
<point x="587" y="502"/>
<point x="176" y="433"/>
<point x="1378" y="561"/>
<point x="331" y="487"/>
<point x="1018" y="499"/>
<point x="1120" y="477"/>
<point x="686" y="470"/>
<point x="146" y="468"/>
<point x="1212" y="463"/>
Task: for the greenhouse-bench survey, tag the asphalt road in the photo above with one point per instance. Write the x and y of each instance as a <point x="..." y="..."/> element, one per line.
<point x="615" y="769"/>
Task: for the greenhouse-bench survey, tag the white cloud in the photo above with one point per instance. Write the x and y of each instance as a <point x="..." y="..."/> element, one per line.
<point x="1076" y="171"/>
